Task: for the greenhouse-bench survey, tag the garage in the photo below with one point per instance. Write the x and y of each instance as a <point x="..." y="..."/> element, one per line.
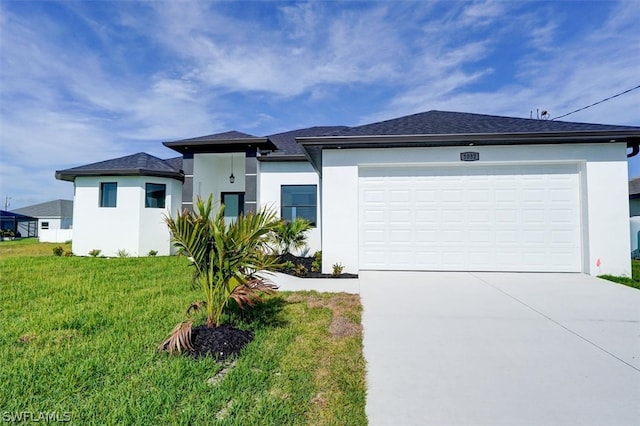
<point x="520" y="217"/>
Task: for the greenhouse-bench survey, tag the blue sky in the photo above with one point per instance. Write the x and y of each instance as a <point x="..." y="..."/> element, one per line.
<point x="87" y="81"/>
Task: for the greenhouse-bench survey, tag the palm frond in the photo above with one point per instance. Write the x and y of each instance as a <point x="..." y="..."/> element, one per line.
<point x="249" y="293"/>
<point x="196" y="306"/>
<point x="179" y="339"/>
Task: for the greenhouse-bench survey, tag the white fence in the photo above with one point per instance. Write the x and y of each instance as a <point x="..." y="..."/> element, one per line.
<point x="54" y="235"/>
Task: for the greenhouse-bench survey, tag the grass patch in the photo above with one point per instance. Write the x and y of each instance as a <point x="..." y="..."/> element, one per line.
<point x="28" y="247"/>
<point x="633" y="281"/>
<point x="80" y="335"/>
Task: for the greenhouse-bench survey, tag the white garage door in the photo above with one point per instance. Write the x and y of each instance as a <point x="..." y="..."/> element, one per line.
<point x="470" y="218"/>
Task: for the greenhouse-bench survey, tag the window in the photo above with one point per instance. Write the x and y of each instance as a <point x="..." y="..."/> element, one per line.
<point x="299" y="201"/>
<point x="44" y="225"/>
<point x="155" y="195"/>
<point x="108" y="194"/>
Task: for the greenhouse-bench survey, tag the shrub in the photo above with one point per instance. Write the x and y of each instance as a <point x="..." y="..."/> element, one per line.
<point x="58" y="251"/>
<point x="301" y="270"/>
<point x="68" y="253"/>
<point x="288" y="266"/>
<point x="152" y="253"/>
<point x="95" y="252"/>
<point x="123" y="253"/>
<point x="291" y="235"/>
<point x="316" y="265"/>
<point x="337" y="269"/>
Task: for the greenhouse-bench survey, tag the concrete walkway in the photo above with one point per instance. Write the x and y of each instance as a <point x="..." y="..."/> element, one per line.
<point x="500" y="349"/>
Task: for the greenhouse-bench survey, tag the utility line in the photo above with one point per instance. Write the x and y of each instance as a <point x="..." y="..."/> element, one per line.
<point x="599" y="102"/>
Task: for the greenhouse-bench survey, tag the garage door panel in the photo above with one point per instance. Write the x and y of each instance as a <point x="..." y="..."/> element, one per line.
<point x="515" y="218"/>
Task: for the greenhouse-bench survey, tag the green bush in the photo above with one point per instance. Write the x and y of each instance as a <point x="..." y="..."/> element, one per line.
<point x="58" y="251"/>
<point x="288" y="266"/>
<point x="152" y="253"/>
<point x="95" y="252"/>
<point x="337" y="269"/>
<point x="316" y="266"/>
<point x="301" y="270"/>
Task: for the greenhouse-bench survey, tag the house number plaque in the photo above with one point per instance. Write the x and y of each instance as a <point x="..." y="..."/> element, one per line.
<point x="469" y="156"/>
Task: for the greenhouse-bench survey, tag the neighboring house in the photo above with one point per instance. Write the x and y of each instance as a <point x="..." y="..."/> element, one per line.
<point x="431" y="191"/>
<point x="55" y="219"/>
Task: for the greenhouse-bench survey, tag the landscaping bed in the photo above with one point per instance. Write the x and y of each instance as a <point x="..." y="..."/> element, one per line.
<point x="303" y="267"/>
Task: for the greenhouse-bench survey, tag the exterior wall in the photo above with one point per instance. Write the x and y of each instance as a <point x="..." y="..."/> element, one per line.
<point x="211" y="175"/>
<point x="272" y="175"/>
<point x="55" y="222"/>
<point x="604" y="194"/>
<point x="128" y="226"/>
<point x="55" y="235"/>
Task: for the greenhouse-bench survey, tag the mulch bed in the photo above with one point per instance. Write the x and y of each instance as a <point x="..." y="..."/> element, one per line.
<point x="306" y="262"/>
<point x="219" y="342"/>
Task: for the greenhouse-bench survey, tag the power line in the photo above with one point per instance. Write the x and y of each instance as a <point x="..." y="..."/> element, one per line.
<point x="599" y="102"/>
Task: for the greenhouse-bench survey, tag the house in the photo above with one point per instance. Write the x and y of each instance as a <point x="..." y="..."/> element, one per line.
<point x="55" y="219"/>
<point x="430" y="191"/>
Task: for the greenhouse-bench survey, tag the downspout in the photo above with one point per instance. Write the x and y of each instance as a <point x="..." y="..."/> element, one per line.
<point x="634" y="144"/>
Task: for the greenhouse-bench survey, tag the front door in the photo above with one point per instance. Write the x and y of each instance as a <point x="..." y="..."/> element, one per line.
<point x="233" y="205"/>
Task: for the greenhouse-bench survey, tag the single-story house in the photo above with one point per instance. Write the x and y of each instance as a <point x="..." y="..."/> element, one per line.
<point x="430" y="191"/>
<point x="55" y="219"/>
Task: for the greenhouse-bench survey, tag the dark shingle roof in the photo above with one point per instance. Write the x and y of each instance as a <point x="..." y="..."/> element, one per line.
<point x="55" y="208"/>
<point x="286" y="141"/>
<point x="141" y="164"/>
<point x="445" y="122"/>
<point x="175" y="162"/>
<point x="226" y="136"/>
<point x="220" y="142"/>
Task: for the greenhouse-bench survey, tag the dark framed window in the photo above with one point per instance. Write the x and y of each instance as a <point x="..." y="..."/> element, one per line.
<point x="155" y="195"/>
<point x="44" y="225"/>
<point x="108" y="194"/>
<point x="299" y="201"/>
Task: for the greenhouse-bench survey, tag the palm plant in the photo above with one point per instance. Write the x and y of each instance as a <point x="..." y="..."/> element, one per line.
<point x="291" y="235"/>
<point x="225" y="256"/>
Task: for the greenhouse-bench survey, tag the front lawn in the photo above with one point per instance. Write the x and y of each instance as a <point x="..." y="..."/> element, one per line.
<point x="79" y="337"/>
<point x="633" y="281"/>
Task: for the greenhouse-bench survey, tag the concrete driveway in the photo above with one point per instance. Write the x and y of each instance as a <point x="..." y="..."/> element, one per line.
<point x="500" y="349"/>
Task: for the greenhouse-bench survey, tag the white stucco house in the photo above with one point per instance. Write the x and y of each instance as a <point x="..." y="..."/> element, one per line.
<point x="430" y="191"/>
<point x="55" y="219"/>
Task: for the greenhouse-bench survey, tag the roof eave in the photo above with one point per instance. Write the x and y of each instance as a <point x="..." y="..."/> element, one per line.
<point x="71" y="175"/>
<point x="220" y="145"/>
<point x="284" y="158"/>
<point x="313" y="146"/>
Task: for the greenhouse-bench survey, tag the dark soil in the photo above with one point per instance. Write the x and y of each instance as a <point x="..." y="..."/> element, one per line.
<point x="306" y="262"/>
<point x="218" y="342"/>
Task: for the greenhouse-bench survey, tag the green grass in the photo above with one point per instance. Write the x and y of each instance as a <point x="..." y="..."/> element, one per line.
<point x="633" y="281"/>
<point x="80" y="336"/>
<point x="28" y="247"/>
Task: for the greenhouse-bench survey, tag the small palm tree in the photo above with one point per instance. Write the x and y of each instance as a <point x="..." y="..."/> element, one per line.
<point x="291" y="235"/>
<point x="225" y="257"/>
